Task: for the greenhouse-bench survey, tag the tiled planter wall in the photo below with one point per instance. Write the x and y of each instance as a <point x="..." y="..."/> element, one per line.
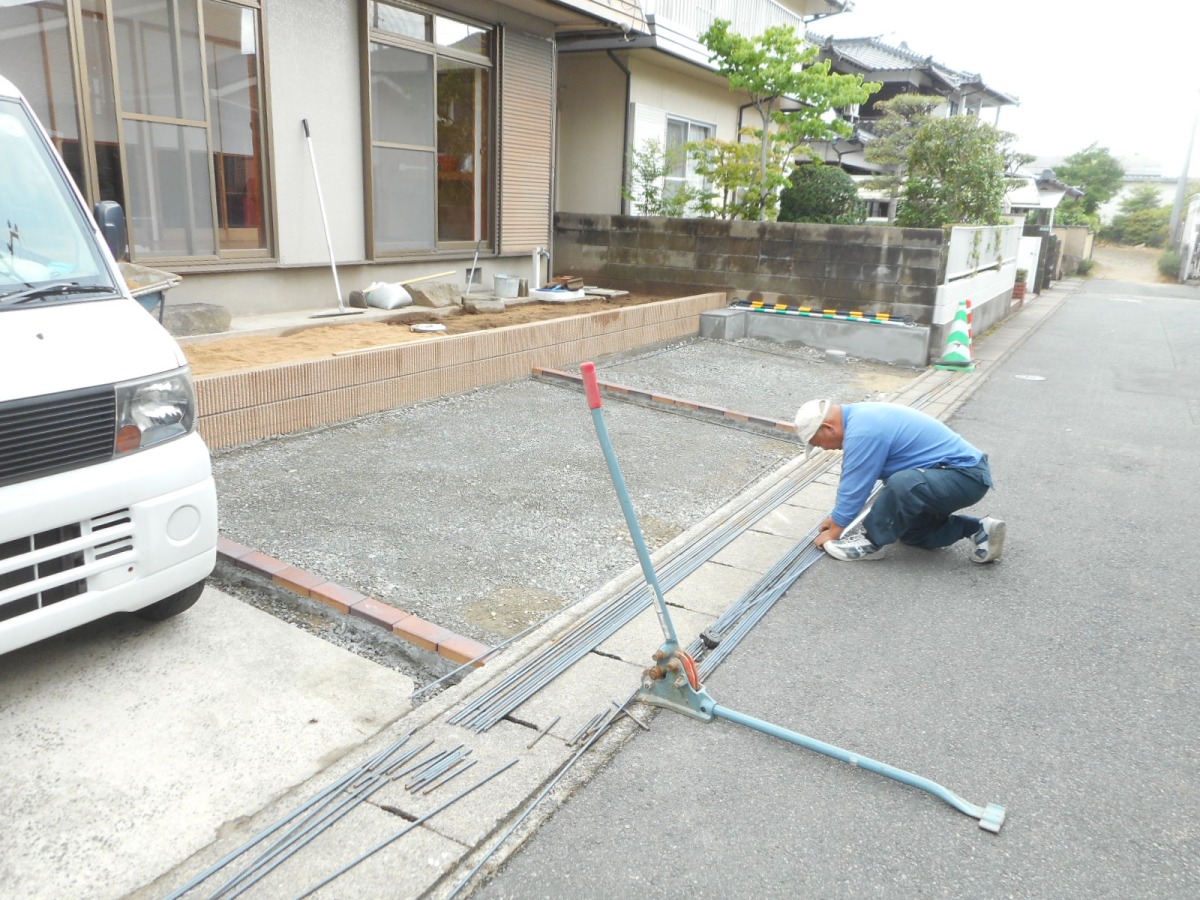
<point x="246" y="406"/>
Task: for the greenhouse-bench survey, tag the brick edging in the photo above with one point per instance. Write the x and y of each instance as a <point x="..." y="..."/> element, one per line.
<point x="404" y="625"/>
<point x="624" y="392"/>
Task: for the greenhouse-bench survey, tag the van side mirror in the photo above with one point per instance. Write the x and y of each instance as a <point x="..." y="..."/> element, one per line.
<point x="111" y="220"/>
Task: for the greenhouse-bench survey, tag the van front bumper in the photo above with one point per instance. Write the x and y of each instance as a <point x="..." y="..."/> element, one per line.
<point x="113" y="537"/>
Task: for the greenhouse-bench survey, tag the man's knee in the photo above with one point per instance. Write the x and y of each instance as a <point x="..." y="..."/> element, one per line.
<point x="904" y="483"/>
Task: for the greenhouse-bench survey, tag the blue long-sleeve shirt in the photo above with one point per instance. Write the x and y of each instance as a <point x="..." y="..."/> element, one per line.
<point x="882" y="439"/>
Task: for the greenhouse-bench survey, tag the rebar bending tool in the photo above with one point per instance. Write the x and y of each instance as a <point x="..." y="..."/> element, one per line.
<point x="673" y="681"/>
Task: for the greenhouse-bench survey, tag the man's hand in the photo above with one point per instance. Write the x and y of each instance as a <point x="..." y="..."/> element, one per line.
<point x="827" y="531"/>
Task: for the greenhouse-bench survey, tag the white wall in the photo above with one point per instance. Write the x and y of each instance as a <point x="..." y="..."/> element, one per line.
<point x="591" y="128"/>
<point x="592" y="114"/>
<point x="689" y="97"/>
<point x="1166" y="195"/>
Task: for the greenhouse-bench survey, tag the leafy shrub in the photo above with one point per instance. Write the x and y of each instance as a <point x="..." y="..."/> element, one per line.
<point x="1085" y="267"/>
<point x="819" y="193"/>
<point x="649" y="168"/>
<point x="1169" y="263"/>
<point x="1146" y="226"/>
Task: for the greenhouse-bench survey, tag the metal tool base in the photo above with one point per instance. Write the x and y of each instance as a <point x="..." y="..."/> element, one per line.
<point x="672" y="683"/>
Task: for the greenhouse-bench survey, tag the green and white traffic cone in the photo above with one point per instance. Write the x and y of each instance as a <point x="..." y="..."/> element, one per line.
<point x="957" y="355"/>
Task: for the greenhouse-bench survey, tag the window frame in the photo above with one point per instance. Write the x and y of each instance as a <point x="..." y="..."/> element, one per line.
<point x="94" y="49"/>
<point x="689" y="176"/>
<point x="484" y="202"/>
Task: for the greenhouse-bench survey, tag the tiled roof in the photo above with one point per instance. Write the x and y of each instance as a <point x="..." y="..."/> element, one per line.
<point x="874" y="56"/>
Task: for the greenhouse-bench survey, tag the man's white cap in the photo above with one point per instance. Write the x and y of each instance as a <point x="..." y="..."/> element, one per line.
<point x="808" y="419"/>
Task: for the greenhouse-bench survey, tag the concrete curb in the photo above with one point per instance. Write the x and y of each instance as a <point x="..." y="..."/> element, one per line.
<point x="348" y="601"/>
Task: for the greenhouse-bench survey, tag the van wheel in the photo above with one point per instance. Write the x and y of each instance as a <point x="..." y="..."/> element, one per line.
<point x="173" y="605"/>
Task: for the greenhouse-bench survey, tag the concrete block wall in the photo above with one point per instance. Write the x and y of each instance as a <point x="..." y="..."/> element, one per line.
<point x="869" y="268"/>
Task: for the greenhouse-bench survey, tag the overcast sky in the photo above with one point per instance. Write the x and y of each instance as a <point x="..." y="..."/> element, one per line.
<point x="1124" y="75"/>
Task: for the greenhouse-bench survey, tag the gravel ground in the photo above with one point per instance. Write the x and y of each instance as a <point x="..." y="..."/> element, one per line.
<point x="487" y="511"/>
<point x="756" y="377"/>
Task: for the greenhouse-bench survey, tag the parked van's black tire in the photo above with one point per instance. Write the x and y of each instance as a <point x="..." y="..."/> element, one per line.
<point x="173" y="605"/>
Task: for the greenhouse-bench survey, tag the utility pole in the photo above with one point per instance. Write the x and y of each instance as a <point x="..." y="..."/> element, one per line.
<point x="1181" y="190"/>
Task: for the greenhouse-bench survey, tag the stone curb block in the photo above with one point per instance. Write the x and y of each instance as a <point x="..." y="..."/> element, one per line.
<point x="444" y="643"/>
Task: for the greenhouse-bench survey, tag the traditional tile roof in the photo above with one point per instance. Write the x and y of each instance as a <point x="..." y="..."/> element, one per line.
<point x="875" y="58"/>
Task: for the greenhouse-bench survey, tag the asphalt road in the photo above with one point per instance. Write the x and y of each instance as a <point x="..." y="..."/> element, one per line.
<point x="1060" y="682"/>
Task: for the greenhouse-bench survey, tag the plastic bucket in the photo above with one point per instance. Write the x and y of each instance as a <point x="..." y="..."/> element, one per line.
<point x="507" y="285"/>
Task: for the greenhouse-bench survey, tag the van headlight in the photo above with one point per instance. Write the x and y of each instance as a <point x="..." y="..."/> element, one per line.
<point x="154" y="410"/>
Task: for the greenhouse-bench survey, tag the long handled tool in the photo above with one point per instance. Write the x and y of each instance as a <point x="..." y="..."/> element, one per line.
<point x="341" y="310"/>
<point x="673" y="681"/>
<point x="474" y="270"/>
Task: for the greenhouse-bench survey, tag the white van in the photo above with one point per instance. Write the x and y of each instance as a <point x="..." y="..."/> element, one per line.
<point x="107" y="501"/>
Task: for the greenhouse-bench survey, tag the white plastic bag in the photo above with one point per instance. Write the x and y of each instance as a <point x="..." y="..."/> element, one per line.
<point x="387" y="296"/>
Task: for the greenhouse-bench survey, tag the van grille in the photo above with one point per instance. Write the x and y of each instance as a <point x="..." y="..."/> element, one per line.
<point x="40" y="569"/>
<point x="56" y="432"/>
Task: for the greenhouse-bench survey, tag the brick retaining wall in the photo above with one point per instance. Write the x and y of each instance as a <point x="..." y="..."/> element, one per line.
<point x="239" y="407"/>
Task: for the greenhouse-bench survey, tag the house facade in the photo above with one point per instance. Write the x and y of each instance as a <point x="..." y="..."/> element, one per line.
<point x="1037" y="197"/>
<point x="899" y="70"/>
<point x="429" y="128"/>
<point x="618" y="93"/>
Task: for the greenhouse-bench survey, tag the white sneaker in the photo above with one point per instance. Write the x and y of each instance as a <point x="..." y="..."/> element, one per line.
<point x="988" y="540"/>
<point x="855" y="547"/>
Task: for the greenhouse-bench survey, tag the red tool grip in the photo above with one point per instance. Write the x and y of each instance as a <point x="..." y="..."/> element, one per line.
<point x="590" y="386"/>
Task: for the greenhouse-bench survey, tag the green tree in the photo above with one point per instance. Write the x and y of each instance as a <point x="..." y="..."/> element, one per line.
<point x="955" y="174"/>
<point x="1071" y="212"/>
<point x="1144" y="219"/>
<point x="777" y="67"/>
<point x="1149" y="227"/>
<point x="1143" y="197"/>
<point x="1095" y="171"/>
<point x="901" y="116"/>
<point x="648" y="169"/>
<point x="820" y="193"/>
<point x="731" y="168"/>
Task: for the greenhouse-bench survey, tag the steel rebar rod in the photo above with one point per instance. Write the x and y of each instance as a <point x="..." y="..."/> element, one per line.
<point x="275" y="826"/>
<point x="541" y="734"/>
<point x="528" y="809"/>
<point x="403" y="831"/>
<point x="304" y="833"/>
<point x="450" y="777"/>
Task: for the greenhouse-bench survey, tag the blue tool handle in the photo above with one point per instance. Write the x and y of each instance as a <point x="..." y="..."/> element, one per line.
<point x="591" y="388"/>
<point x="990" y="817"/>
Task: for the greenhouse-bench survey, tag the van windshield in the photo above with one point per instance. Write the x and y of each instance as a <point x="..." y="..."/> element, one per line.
<point x="48" y="251"/>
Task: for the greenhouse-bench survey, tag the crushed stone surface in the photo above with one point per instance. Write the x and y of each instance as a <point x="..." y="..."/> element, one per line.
<point x="487" y="511"/>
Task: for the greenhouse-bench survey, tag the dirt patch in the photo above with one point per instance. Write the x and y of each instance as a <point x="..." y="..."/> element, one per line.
<point x="316" y="342"/>
<point x="508" y="611"/>
<point x="1138" y="264"/>
<point x="875" y="379"/>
